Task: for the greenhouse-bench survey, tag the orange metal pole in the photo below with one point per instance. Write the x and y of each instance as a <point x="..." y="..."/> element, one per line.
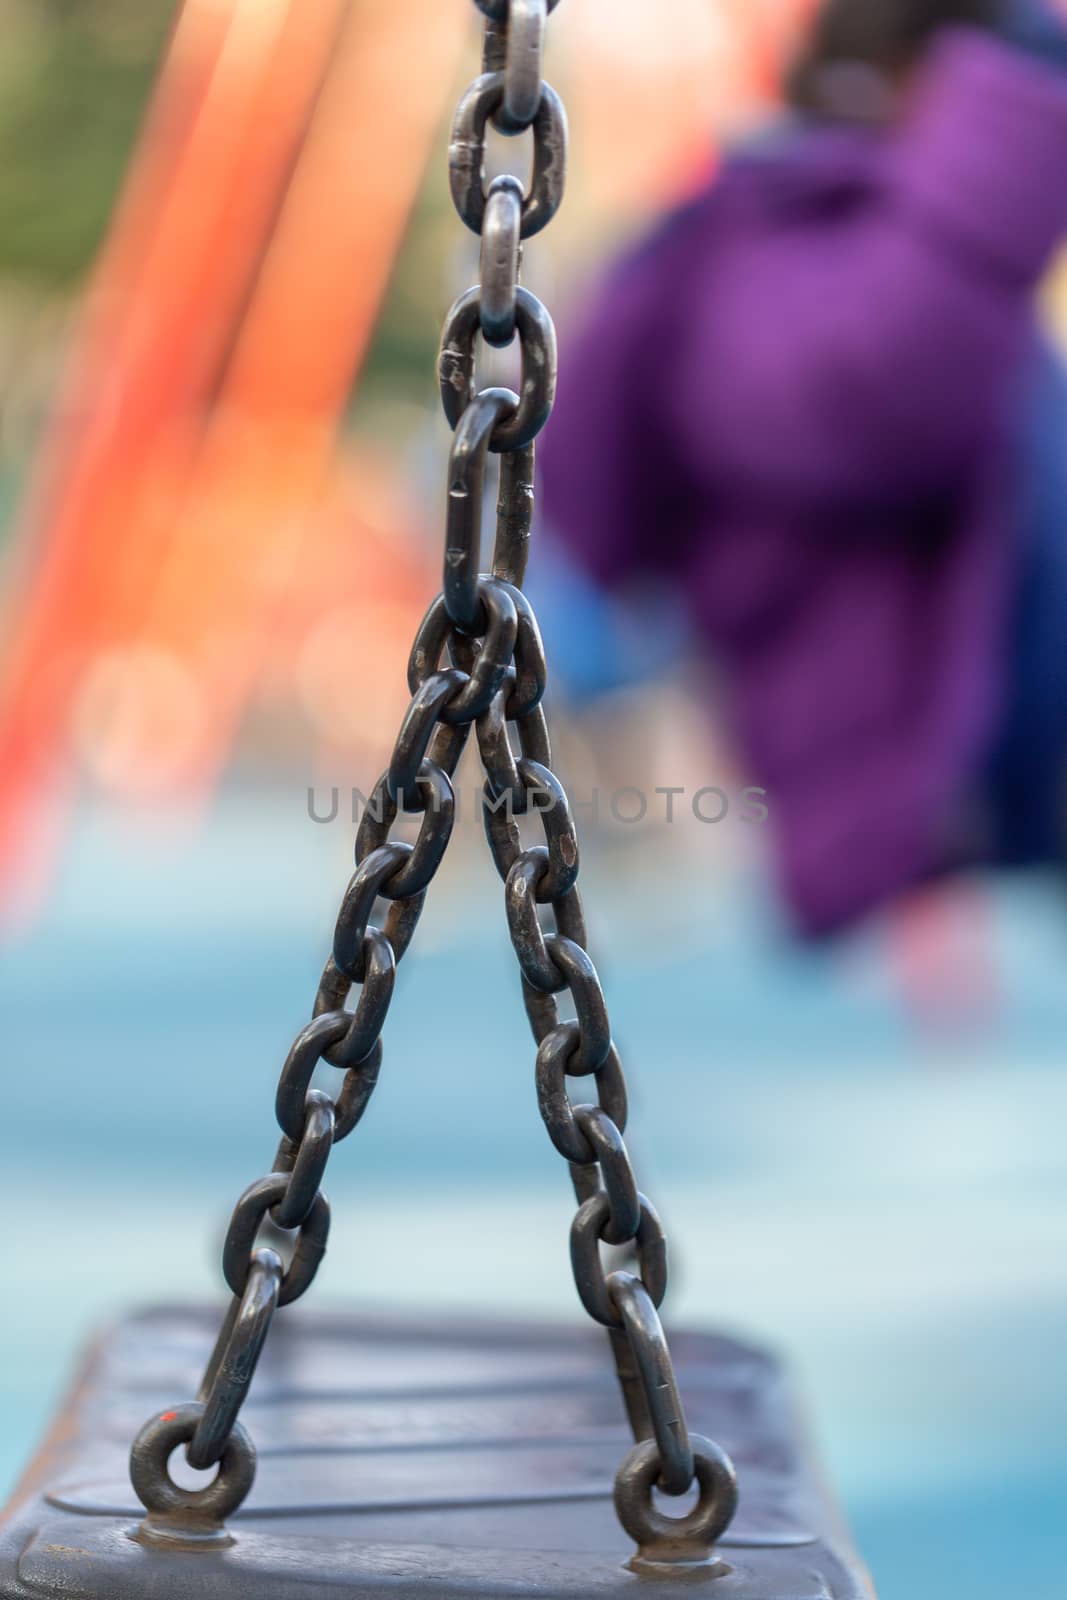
<point x="249" y="514"/>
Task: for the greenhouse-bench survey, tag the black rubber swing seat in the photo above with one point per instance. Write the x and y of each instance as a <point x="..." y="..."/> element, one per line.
<point x="399" y="1461"/>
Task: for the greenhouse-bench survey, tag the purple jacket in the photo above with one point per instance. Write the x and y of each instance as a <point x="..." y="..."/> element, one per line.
<point x="795" y="402"/>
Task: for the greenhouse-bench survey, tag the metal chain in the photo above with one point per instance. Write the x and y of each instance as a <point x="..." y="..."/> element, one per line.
<point x="289" y="1198"/>
<point x="477" y="662"/>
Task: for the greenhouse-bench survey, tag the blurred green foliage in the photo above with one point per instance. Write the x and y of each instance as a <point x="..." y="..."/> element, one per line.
<point x="74" y="79"/>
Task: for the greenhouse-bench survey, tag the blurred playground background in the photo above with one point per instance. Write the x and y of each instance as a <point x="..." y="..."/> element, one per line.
<point x="226" y="247"/>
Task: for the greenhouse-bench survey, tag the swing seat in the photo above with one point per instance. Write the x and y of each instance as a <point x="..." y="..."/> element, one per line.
<point x="399" y="1461"/>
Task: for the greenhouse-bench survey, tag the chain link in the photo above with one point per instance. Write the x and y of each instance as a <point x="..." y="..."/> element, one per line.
<point x="477" y="662"/>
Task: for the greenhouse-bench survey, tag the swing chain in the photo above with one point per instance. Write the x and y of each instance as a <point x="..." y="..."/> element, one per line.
<point x="477" y="662"/>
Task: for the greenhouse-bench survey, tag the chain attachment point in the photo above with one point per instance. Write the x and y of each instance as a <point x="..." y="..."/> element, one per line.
<point x="188" y="1516"/>
<point x="675" y="1542"/>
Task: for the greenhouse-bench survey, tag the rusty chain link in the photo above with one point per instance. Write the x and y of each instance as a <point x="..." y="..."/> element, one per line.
<point x="477" y="662"/>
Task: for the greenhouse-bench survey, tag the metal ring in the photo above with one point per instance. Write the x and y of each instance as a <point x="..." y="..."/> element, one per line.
<point x="234" y="1359"/>
<point x="523" y="65"/>
<point x="328" y="1028"/>
<point x="576" y="973"/>
<point x="501" y="257"/>
<point x="350" y="950"/>
<point x="466" y="494"/>
<point x="466" y="154"/>
<point x="305" y="1160"/>
<point x="157" y="1491"/>
<point x="331" y="996"/>
<point x="401" y="920"/>
<point x="524" y="925"/>
<point x="648" y="1345"/>
<point x="494" y="653"/>
<point x="592" y="1284"/>
<point x="553" y="1056"/>
<point x="373" y="958"/>
<point x="248" y="1214"/>
<point x="616" y="1173"/>
<point x="488" y="663"/>
<point x="426" y="711"/>
<point x="681" y="1539"/>
<point x="306" y="1051"/>
<point x="377" y="964"/>
<point x="505" y="843"/>
<point x="293" y="1093"/>
<point x="456" y="366"/>
<point x="438" y="810"/>
<point x="504" y="785"/>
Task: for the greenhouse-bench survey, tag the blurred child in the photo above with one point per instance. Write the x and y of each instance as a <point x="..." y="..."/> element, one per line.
<point x="818" y="404"/>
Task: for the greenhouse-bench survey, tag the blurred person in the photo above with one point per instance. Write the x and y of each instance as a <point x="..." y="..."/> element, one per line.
<point x="817" y="403"/>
